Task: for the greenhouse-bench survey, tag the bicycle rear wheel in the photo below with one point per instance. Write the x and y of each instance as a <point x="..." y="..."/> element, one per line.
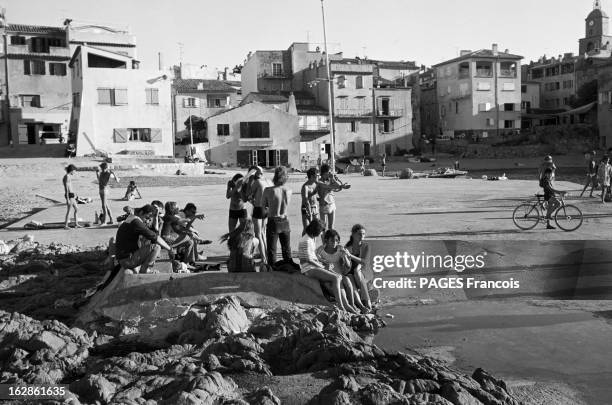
<point x="526" y="216"/>
<point x="568" y="217"/>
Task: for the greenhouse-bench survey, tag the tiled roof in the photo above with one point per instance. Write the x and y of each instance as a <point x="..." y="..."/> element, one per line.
<point x="34" y="29"/>
<point x="265" y="98"/>
<point x="483" y="53"/>
<point x="191" y="86"/>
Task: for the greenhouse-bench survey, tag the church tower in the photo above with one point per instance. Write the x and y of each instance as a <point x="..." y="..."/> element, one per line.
<point x="597" y="26"/>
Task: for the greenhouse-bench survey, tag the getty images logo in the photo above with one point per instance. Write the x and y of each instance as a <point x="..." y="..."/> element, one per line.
<point x="412" y="263"/>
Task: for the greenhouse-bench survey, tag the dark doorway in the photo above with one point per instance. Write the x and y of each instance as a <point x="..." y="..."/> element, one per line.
<point x="385" y="106"/>
<point x="328" y="149"/>
<point x="366" y="149"/>
<point x="31" y="134"/>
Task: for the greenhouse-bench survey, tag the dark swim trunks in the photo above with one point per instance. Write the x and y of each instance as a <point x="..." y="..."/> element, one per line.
<point x="237" y="214"/>
<point x="258" y="213"/>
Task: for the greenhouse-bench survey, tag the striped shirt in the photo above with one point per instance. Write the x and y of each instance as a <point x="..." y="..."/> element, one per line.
<point x="307" y="254"/>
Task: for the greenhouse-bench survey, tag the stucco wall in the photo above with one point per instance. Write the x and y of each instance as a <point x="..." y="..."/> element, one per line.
<point x="284" y="132"/>
<point x="97" y="121"/>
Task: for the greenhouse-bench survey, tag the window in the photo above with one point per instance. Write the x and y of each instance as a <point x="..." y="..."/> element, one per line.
<point x="254" y="129"/>
<point x="152" y="96"/>
<point x="507" y="69"/>
<point x="464" y="70"/>
<point x="34" y="67"/>
<point x="216" y="102"/>
<point x="354" y="126"/>
<point x="341" y="82"/>
<point x="40" y="45"/>
<point x="277" y="69"/>
<point x="484" y="69"/>
<point x="18" y="40"/>
<point x="76" y="99"/>
<point x="30" y="100"/>
<point x="456" y="107"/>
<point x="443" y="111"/>
<point x="359" y="82"/>
<point x="525" y="105"/>
<point x="139" y="134"/>
<point x="483" y="86"/>
<point x="191" y="102"/>
<point x="387" y="126"/>
<point x="508" y="124"/>
<point x="490" y="122"/>
<point x="509" y="107"/>
<point x="112" y="96"/>
<point x="223" y="129"/>
<point x="342" y="102"/>
<point x="523" y="88"/>
<point x="57" y="69"/>
<point x="482" y="107"/>
<point x="351" y="147"/>
<point x="59" y="42"/>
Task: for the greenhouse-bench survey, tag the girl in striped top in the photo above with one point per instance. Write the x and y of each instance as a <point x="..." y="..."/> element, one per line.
<point x="313" y="268"/>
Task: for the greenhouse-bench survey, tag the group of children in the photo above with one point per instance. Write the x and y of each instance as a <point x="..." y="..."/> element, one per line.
<point x="598" y="174"/>
<point x="103" y="175"/>
<point x="338" y="268"/>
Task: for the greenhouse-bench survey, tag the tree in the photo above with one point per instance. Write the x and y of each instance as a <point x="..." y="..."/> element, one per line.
<point x="198" y="125"/>
<point x="587" y="93"/>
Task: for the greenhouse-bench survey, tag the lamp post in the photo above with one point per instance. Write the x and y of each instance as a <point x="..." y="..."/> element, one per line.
<point x="329" y="96"/>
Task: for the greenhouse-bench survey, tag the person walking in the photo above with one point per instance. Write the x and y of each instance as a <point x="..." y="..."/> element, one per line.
<point x="604" y="173"/>
<point x="383" y="163"/>
<point x="591" y="175"/>
<point x="104" y="174"/>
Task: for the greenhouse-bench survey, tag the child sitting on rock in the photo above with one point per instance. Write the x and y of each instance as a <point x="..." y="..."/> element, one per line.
<point x="243" y="246"/>
<point x="132" y="190"/>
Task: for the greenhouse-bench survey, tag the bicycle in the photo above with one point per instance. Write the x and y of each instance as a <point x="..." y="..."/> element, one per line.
<point x="527" y="215"/>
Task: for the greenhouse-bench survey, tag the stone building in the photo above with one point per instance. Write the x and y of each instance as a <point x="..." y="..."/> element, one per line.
<point x="479" y="94"/>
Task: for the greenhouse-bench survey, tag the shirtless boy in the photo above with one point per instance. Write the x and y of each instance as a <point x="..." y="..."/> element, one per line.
<point x="104" y="175"/>
<point x="275" y="201"/>
<point x="254" y="194"/>
<point x="326" y="188"/>
<point x="70" y="196"/>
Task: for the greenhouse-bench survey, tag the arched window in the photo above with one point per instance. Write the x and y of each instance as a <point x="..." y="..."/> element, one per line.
<point x="590" y="47"/>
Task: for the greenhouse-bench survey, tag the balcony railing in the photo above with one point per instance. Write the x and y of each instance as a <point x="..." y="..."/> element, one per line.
<point x="391" y="112"/>
<point x="314" y="127"/>
<point x="274" y="75"/>
<point x="507" y="73"/>
<point x="352" y="112"/>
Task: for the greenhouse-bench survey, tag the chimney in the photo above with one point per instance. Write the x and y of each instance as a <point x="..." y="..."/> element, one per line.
<point x="507" y="51"/>
<point x="225" y="71"/>
<point x="464" y="52"/>
<point x="495" y="51"/>
<point x="291" y="107"/>
<point x="200" y="85"/>
<point x="160" y="61"/>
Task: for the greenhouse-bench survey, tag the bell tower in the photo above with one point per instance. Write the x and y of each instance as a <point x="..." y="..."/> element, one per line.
<point x="597" y="25"/>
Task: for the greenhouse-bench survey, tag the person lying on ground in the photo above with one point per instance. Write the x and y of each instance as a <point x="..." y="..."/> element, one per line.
<point x="359" y="253"/>
<point x="178" y="236"/>
<point x="70" y="196"/>
<point x="128" y="253"/>
<point x="243" y="246"/>
<point x="311" y="266"/>
<point x="132" y="190"/>
<point x="335" y="258"/>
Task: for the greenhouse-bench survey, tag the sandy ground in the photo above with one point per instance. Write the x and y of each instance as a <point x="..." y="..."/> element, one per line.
<point x="402" y="210"/>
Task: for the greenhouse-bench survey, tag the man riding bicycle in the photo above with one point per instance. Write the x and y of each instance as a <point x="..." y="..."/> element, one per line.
<point x="546" y="182"/>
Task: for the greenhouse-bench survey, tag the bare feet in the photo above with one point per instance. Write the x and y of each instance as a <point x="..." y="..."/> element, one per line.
<point x="67" y="227"/>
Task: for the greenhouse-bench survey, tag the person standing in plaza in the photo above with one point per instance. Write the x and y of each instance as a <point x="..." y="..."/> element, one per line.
<point x="104" y="174"/>
<point x="275" y="201"/>
<point x="383" y="163"/>
<point x="310" y="204"/>
<point x="256" y="184"/>
<point x="604" y="173"/>
<point x="70" y="196"/>
<point x="237" y="212"/>
<point x="591" y="176"/>
<point x="327" y="203"/>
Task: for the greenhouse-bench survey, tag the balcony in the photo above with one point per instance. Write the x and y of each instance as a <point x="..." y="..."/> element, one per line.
<point x="353" y="112"/>
<point x="274" y="75"/>
<point x="390" y="112"/>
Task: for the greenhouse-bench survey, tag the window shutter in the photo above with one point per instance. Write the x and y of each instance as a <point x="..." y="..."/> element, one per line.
<point x="284" y="157"/>
<point x="154" y="96"/>
<point x="185" y="102"/>
<point x="197" y="102"/>
<point x="26" y="67"/>
<point x="121" y="135"/>
<point x="244" y="129"/>
<point x="156" y="135"/>
<point x="39" y="101"/>
<point x="121" y="97"/>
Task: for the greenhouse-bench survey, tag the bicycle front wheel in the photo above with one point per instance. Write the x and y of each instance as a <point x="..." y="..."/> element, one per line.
<point x="568" y="217"/>
<point x="526" y="216"/>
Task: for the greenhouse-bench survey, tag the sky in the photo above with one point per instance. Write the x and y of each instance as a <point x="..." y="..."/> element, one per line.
<point x="221" y="33"/>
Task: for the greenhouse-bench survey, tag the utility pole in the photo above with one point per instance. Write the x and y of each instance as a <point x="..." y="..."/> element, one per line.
<point x="374" y="118"/>
<point x="7" y="117"/>
<point x="495" y="62"/>
<point x="329" y="90"/>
